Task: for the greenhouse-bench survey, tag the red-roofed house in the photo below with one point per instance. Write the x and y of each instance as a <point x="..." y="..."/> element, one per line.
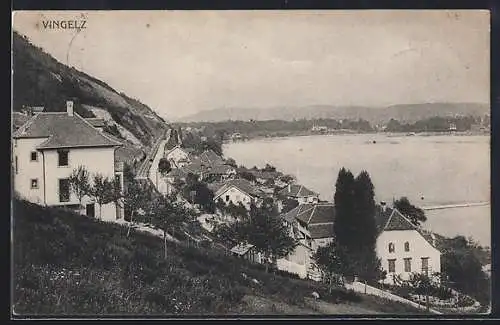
<point x="46" y="150"/>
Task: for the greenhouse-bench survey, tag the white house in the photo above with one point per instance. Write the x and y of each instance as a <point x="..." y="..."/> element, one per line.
<point x="403" y="248"/>
<point x="239" y="191"/>
<point x="46" y="150"/>
<point x="178" y="157"/>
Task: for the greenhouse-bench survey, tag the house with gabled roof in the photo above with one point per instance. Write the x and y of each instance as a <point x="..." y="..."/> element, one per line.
<point x="317" y="219"/>
<point x="403" y="247"/>
<point x="46" y="150"/>
<point x="238" y="191"/>
<point x="179" y="157"/>
<point x="297" y="192"/>
<point x="210" y="158"/>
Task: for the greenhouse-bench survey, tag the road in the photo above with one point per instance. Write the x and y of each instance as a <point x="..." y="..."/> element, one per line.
<point x="143" y="171"/>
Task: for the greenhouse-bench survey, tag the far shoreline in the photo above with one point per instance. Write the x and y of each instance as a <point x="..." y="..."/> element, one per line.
<point x="347" y="132"/>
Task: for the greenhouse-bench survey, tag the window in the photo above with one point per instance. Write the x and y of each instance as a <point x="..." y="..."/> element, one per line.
<point x="407" y="246"/>
<point x="392" y="265"/>
<point x="34" y="156"/>
<point x="227" y="198"/>
<point x="62" y="157"/>
<point x="34" y="183"/>
<point x="15" y="165"/>
<point x="407" y="264"/>
<point x="425" y="264"/>
<point x="391" y="247"/>
<point x="118" y="180"/>
<point x="64" y="190"/>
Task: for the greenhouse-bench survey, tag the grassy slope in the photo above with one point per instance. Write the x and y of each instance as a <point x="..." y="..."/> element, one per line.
<point x="39" y="79"/>
<point x="68" y="264"/>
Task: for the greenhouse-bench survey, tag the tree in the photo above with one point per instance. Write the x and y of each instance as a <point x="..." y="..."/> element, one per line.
<point x="164" y="166"/>
<point x="166" y="213"/>
<point x="269" y="168"/>
<point x="268" y="234"/>
<point x="136" y="196"/>
<point x="415" y="214"/>
<point x="331" y="260"/>
<point x="354" y="224"/>
<point x="231" y="162"/>
<point x="102" y="191"/>
<point x="80" y="183"/>
<point x="248" y="176"/>
<point x="344" y="209"/>
<point x="364" y="213"/>
<point x="288" y="179"/>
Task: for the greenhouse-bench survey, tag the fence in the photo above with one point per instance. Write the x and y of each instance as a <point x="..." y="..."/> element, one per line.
<point x="360" y="287"/>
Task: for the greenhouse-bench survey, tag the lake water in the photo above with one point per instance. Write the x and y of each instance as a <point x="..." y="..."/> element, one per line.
<point x="429" y="170"/>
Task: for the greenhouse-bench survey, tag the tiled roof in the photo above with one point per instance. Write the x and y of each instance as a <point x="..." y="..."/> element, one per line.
<point x="18" y="119"/>
<point x="96" y="122"/>
<point x="221" y="169"/>
<point x="186" y="150"/>
<point x="312" y="213"/>
<point x="241" y="184"/>
<point x="392" y="219"/>
<point x="209" y="157"/>
<point x="196" y="167"/>
<point x="63" y="131"/>
<point x="321" y="230"/>
<point x="318" y="218"/>
<point x="296" y="190"/>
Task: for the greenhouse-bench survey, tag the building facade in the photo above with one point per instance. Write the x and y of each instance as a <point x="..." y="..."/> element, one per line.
<point x="49" y="147"/>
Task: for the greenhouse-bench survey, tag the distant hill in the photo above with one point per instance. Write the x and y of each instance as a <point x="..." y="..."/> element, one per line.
<point x="41" y="80"/>
<point x="409" y="113"/>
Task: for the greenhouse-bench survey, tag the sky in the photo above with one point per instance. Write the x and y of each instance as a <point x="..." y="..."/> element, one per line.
<point x="182" y="62"/>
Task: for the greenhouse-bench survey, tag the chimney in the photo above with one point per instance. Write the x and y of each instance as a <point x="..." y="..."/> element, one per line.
<point x="69" y="107"/>
<point x="383" y="205"/>
<point x="289" y="187"/>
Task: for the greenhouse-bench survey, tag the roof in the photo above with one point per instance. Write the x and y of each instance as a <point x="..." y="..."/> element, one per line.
<point x="312" y="213"/>
<point x="324" y="230"/>
<point x="18" y="119"/>
<point x="196" y="167"/>
<point x="243" y="185"/>
<point x="297" y="190"/>
<point x="241" y="249"/>
<point x="318" y="217"/>
<point x="63" y="131"/>
<point x="209" y="157"/>
<point x="221" y="169"/>
<point x="186" y="150"/>
<point x="177" y="173"/>
<point x="391" y="219"/>
<point x="96" y="122"/>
